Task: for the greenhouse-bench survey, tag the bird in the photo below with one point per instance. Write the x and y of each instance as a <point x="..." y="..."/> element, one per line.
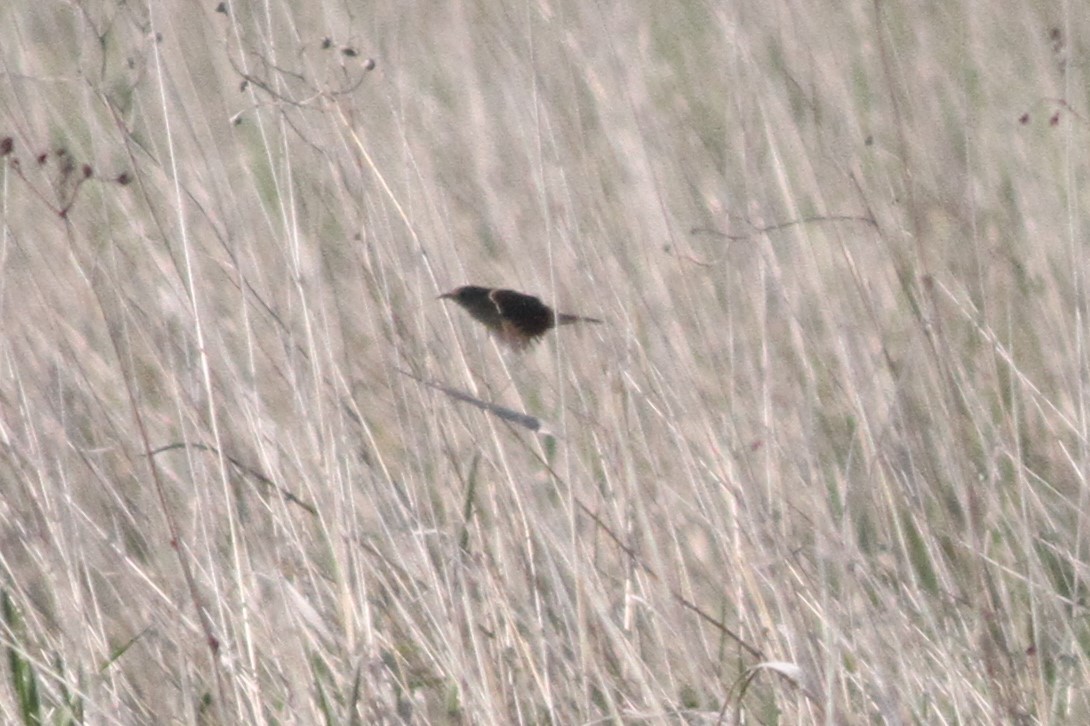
<point x="517" y="319"/>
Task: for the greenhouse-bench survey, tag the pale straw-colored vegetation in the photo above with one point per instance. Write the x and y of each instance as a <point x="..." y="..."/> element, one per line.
<point x="826" y="461"/>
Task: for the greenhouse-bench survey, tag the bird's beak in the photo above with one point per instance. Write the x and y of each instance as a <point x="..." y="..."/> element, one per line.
<point x="445" y="294"/>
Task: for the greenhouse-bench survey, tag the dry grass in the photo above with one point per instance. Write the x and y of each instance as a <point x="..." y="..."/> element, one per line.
<point x="826" y="463"/>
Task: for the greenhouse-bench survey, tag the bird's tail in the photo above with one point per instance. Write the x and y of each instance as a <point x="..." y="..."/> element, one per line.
<point x="565" y="319"/>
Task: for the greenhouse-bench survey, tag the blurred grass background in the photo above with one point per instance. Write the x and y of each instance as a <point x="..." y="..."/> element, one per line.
<point x="825" y="463"/>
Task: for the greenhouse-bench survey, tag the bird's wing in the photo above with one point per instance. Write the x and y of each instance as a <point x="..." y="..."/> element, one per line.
<point x="523" y="316"/>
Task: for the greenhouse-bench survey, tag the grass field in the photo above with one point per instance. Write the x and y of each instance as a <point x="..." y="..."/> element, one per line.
<point x="826" y="461"/>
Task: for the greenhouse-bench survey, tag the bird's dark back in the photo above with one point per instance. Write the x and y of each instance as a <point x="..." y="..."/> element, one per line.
<point x="531" y="316"/>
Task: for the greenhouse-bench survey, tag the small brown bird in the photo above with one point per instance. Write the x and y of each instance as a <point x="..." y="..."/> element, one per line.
<point x="516" y="319"/>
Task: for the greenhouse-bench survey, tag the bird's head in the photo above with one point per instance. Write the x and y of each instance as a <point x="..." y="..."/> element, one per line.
<point x="466" y="295"/>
